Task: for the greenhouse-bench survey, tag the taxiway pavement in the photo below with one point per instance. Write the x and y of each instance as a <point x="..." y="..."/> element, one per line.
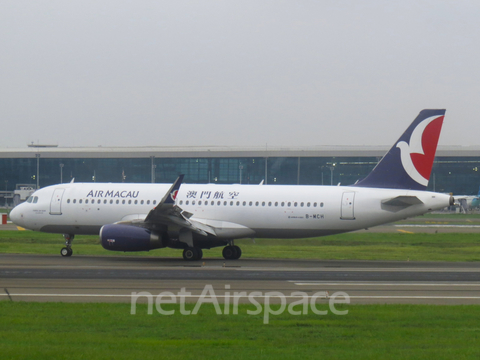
<point x="115" y="278"/>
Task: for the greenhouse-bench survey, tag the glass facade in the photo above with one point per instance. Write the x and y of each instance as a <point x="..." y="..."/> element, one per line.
<point x="458" y="175"/>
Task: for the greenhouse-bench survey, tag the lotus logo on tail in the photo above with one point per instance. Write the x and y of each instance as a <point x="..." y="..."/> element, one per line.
<point x="417" y="156"/>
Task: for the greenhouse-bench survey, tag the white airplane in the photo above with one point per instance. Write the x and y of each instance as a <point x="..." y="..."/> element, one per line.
<point x="467" y="202"/>
<point x="194" y="217"/>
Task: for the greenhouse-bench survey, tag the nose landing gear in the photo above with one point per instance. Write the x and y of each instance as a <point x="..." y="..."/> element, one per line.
<point x="67" y="250"/>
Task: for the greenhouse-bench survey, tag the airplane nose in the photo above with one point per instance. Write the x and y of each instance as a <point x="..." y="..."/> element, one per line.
<point x="16" y="215"/>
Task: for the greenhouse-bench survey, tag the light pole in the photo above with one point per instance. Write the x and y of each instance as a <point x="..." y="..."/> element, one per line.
<point x="331" y="173"/>
<point x="153" y="167"/>
<point x="38" y="170"/>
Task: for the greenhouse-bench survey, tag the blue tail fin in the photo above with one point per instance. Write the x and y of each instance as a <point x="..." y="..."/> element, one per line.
<point x="409" y="162"/>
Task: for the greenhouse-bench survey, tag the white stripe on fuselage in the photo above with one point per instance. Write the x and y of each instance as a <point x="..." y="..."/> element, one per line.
<point x="238" y="204"/>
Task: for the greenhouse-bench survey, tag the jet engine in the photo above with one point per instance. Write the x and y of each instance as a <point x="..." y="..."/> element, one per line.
<point x="129" y="238"/>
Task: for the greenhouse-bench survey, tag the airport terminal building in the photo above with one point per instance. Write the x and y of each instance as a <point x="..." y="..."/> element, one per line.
<point x="455" y="168"/>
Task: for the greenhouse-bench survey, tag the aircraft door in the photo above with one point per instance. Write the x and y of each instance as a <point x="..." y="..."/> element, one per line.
<point x="56" y="202"/>
<point x="348" y="200"/>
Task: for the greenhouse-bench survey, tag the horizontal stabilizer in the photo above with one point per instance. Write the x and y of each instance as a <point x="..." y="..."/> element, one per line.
<point x="403" y="201"/>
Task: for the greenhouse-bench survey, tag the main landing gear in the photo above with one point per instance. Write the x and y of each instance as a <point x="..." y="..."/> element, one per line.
<point x="192" y="253"/>
<point x="67" y="250"/>
<point x="232" y="252"/>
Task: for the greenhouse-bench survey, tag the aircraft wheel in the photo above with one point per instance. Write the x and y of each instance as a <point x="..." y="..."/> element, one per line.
<point x="230" y="252"/>
<point x="192" y="253"/>
<point x="238" y="252"/>
<point x="66" y="251"/>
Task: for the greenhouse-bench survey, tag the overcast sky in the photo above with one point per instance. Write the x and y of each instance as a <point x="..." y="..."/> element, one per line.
<point x="240" y="73"/>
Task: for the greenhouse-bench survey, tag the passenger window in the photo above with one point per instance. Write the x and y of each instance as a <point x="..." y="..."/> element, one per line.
<point x="250" y="203"/>
<point x="141" y="202"/>
<point x="289" y="204"/>
<point x="225" y="203"/>
<point x="219" y="203"/>
<point x="100" y="201"/>
<point x="118" y="201"/>
<point x="314" y="204"/>
<point x="180" y="203"/>
<point x="238" y="203"/>
<point x="231" y="203"/>
<point x="276" y="203"/>
<point x="301" y="204"/>
<point x="283" y="203"/>
<point x="80" y="201"/>
<point x="187" y="202"/>
<point x="321" y="204"/>
<point x="111" y="201"/>
<point x="154" y="202"/>
<point x="193" y="202"/>
<point x="68" y="201"/>
<point x="256" y="203"/>
<point x="295" y="204"/>
<point x="148" y="202"/>
<point x="199" y="202"/>
<point x="244" y="203"/>
<point x="263" y="203"/>
<point x="123" y="201"/>
<point x="136" y="202"/>
<point x="308" y="204"/>
<point x="269" y="203"/>
<point x="86" y="201"/>
<point x="212" y="203"/>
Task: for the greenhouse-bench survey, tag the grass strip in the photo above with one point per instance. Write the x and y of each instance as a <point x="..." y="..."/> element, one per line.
<point x="109" y="331"/>
<point x="351" y="246"/>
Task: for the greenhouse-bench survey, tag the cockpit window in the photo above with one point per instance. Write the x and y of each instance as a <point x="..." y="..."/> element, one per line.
<point x="35" y="199"/>
<point x="30" y="199"/>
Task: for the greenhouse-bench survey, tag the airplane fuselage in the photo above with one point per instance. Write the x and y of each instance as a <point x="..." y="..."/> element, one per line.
<point x="240" y="210"/>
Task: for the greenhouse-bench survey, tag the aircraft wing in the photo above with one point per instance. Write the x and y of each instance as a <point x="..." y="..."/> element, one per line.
<point x="166" y="213"/>
<point x="169" y="215"/>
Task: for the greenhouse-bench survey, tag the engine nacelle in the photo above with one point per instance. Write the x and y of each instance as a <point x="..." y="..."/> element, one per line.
<point x="129" y="238"/>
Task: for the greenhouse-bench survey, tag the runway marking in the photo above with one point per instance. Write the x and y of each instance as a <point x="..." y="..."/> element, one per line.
<point x="439" y="226"/>
<point x="263" y="296"/>
<point x="405" y="231"/>
<point x="418" y="297"/>
<point x="185" y="296"/>
<point x="305" y="283"/>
